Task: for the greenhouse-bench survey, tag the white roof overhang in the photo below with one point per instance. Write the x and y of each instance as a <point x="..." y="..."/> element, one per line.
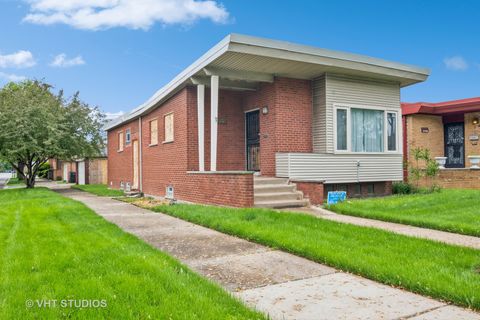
<point x="242" y="61"/>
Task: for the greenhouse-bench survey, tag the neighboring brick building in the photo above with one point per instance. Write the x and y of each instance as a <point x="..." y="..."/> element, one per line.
<point x="91" y="170"/>
<point x="275" y="109"/>
<point x="450" y="130"/>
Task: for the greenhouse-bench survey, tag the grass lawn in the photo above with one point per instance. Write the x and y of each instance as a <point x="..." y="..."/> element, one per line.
<point x="448" y="210"/>
<point x="430" y="268"/>
<point x="52" y="247"/>
<point x="99" y="189"/>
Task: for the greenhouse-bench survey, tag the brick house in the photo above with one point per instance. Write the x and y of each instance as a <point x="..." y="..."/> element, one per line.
<point x="266" y="123"/>
<point x="450" y="130"/>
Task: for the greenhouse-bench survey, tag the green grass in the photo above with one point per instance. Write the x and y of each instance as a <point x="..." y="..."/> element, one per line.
<point x="449" y="210"/>
<point x="442" y="271"/>
<point x="99" y="190"/>
<point x="52" y="247"/>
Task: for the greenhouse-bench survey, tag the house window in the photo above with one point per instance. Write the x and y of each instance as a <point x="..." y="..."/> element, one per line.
<point x="365" y="129"/>
<point x="168" y="127"/>
<point x="120" y="141"/>
<point x="370" y="188"/>
<point x="342" y="129"/>
<point x="153" y="132"/>
<point x="127" y="136"/>
<point x="391" y="131"/>
<point x="358" y="189"/>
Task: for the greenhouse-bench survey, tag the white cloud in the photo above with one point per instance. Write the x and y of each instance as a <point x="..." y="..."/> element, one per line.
<point x="11" y="77"/>
<point x="113" y="115"/>
<point x="19" y="59"/>
<point x="62" y="61"/>
<point x="455" y="63"/>
<point x="133" y="14"/>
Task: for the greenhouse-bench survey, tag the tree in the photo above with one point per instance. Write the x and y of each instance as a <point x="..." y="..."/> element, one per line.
<point x="36" y="125"/>
<point x="429" y="170"/>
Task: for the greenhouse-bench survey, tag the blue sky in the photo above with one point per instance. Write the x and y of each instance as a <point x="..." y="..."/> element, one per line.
<point x="117" y="53"/>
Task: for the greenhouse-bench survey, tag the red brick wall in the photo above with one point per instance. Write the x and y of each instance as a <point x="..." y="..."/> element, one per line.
<point x="311" y="190"/>
<point x="224" y="189"/>
<point x="166" y="163"/>
<point x="288" y="125"/>
<point x="120" y="164"/>
<point x="293" y="115"/>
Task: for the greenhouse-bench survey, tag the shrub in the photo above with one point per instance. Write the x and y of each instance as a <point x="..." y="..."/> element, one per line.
<point x="402" y="188"/>
<point x="43" y="170"/>
<point x="58" y="178"/>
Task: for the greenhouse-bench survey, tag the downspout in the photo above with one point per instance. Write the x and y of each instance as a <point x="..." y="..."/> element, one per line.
<point x="140" y="160"/>
<point x="405" y="148"/>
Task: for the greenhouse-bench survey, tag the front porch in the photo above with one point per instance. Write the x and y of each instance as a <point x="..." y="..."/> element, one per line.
<point x="450" y="130"/>
<point x="239" y="125"/>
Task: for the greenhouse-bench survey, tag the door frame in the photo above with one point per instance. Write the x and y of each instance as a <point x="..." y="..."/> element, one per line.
<point x="245" y="135"/>
<point x="445" y="125"/>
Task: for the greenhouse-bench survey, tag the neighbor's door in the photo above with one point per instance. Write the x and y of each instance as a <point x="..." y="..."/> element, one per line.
<point x="81" y="172"/>
<point x="454" y="145"/>
<point x="252" y="121"/>
<point x="135" y="165"/>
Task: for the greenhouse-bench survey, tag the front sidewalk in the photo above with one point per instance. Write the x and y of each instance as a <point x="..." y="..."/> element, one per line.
<point x="407" y="230"/>
<point x="280" y="284"/>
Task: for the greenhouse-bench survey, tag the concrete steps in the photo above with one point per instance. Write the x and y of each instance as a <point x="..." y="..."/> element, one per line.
<point x="270" y="192"/>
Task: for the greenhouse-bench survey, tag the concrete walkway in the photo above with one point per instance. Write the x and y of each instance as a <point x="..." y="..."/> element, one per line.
<point x="436" y="235"/>
<point x="4" y="177"/>
<point x="282" y="285"/>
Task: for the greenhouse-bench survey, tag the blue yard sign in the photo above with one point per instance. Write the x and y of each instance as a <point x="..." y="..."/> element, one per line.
<point x="336" y="196"/>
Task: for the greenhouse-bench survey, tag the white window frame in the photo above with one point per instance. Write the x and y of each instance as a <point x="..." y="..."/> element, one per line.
<point x="349" y="133"/>
<point x="128" y="136"/>
<point x="396" y="131"/>
<point x="385" y="110"/>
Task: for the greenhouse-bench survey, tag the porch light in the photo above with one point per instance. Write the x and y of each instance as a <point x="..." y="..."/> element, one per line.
<point x="265" y="110"/>
<point x="475" y="121"/>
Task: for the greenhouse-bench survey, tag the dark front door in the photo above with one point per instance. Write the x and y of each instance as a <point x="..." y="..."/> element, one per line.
<point x="252" y="123"/>
<point x="454" y="145"/>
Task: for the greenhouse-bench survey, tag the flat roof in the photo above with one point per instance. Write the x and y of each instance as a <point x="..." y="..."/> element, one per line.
<point x="441" y="108"/>
<point x="244" y="53"/>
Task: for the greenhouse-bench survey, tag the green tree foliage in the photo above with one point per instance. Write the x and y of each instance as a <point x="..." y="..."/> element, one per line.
<point x="430" y="169"/>
<point x="36" y="124"/>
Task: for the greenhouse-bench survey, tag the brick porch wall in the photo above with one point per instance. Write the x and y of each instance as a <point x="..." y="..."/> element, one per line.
<point x="455" y="178"/>
<point x="232" y="189"/>
<point x="313" y="191"/>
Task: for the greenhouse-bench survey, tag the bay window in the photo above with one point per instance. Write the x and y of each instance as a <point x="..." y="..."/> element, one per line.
<point x="365" y="129"/>
<point x="392" y="131"/>
<point x="342" y="129"/>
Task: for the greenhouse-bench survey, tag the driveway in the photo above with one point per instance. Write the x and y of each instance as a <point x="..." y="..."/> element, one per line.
<point x="282" y="285"/>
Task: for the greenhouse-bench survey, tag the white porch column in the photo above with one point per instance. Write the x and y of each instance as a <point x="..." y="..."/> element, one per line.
<point x="201" y="126"/>
<point x="213" y="122"/>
